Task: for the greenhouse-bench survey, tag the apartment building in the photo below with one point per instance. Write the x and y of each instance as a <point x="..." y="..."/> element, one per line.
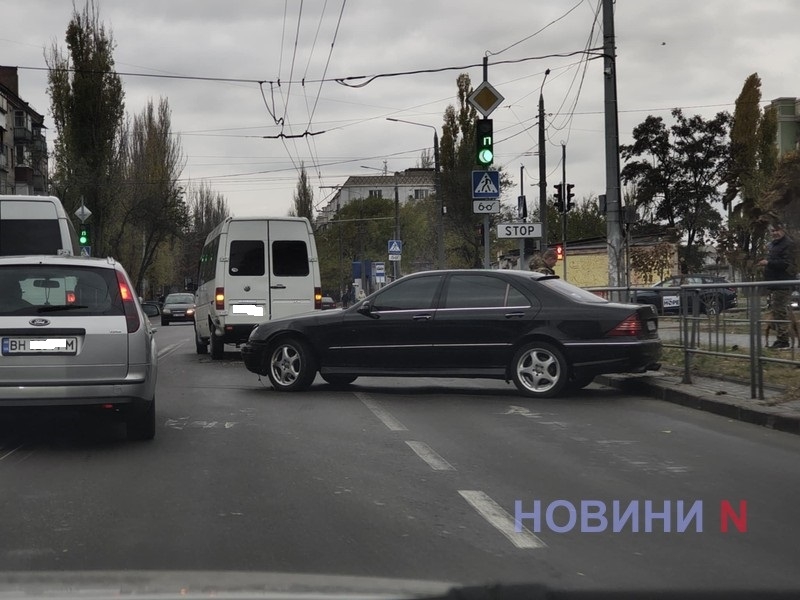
<point x="23" y="147"/>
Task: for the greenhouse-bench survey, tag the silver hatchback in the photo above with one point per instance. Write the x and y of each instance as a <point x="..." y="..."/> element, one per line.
<point x="73" y="334"/>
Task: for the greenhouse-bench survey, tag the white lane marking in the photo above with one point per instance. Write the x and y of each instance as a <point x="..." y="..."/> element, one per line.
<point x="169" y="349"/>
<point x="500" y="519"/>
<point x="380" y="412"/>
<point x="430" y="456"/>
<point x="10" y="452"/>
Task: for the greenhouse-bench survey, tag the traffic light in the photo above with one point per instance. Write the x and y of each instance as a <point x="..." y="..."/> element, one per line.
<point x="484" y="152"/>
<point x="560" y="252"/>
<point x="559" y="197"/>
<point x="85" y="235"/>
<point x="568" y="200"/>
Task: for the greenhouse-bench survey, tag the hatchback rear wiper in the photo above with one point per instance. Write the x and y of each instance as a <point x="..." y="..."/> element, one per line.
<point x="55" y="307"/>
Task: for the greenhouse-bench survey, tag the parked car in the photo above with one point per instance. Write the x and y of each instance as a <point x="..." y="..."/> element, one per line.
<point x="73" y="334"/>
<point x="177" y="307"/>
<point x="668" y="301"/>
<point x="328" y="303"/>
<point x="538" y="331"/>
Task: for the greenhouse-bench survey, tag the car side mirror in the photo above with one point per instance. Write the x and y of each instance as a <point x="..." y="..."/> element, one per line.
<point x="366" y="310"/>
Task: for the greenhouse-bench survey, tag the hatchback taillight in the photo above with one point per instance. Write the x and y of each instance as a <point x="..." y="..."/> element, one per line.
<point x="632" y="326"/>
<point x="219" y="298"/>
<point x="128" y="303"/>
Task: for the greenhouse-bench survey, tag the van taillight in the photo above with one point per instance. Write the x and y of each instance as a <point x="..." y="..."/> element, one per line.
<point x="318" y="298"/>
<point x="128" y="303"/>
<point x="631" y="326"/>
<point x="219" y="298"/>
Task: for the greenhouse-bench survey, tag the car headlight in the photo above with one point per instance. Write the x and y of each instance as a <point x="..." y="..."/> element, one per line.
<point x="166" y="311"/>
<point x="189" y="311"/>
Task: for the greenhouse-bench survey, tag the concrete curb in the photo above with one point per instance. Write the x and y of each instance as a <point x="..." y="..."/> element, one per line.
<point x="719" y="402"/>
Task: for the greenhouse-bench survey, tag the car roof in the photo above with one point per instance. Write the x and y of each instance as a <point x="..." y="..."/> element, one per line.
<point x="35" y="259"/>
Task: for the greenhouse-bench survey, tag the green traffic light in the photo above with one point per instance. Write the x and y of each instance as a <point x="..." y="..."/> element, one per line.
<point x="83" y="238"/>
<point x="485" y="156"/>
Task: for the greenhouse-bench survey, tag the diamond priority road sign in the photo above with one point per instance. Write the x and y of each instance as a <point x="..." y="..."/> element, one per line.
<point x="485" y="99"/>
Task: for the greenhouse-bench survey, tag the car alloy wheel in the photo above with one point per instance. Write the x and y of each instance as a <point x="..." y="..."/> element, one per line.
<point x="539" y="370"/>
<point x="291" y="365"/>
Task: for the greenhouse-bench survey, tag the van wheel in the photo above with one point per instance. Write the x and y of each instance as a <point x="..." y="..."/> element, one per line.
<point x="339" y="380"/>
<point x="217" y="346"/>
<point x="200" y="346"/>
<point x="291" y="365"/>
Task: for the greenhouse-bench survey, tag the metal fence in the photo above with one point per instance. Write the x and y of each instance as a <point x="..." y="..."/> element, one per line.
<point x="734" y="333"/>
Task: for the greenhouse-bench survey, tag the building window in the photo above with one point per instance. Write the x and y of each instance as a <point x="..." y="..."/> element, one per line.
<point x="420" y="194"/>
<point x="376" y="193"/>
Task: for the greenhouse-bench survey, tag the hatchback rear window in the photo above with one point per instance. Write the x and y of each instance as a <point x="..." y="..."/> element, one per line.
<point x="58" y="290"/>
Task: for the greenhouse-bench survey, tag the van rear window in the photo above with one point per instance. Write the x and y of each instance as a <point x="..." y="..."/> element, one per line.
<point x="29" y="236"/>
<point x="290" y="258"/>
<point x="247" y="258"/>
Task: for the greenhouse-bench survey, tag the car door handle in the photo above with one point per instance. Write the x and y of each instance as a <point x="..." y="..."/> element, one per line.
<point x="515" y="315"/>
<point x="277" y="286"/>
<point x="422" y="317"/>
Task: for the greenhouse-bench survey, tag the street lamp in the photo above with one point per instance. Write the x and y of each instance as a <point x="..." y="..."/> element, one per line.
<point x="395" y="263"/>
<point x="436" y="187"/>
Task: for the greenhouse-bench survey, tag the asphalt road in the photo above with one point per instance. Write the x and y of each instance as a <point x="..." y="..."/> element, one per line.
<point x="397" y="478"/>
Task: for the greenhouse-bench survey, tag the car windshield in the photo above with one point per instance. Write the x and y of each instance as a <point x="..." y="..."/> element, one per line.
<point x="179" y="299"/>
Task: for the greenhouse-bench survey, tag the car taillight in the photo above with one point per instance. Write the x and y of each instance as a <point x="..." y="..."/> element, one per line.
<point x="219" y="298"/>
<point x="128" y="303"/>
<point x="632" y="326"/>
<point x="317" y="298"/>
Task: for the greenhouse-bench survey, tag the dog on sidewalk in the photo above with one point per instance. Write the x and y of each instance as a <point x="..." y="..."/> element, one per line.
<point x="794" y="329"/>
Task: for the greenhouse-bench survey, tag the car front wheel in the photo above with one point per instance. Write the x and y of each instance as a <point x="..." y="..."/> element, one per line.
<point x="339" y="380"/>
<point x="539" y="370"/>
<point x="291" y="366"/>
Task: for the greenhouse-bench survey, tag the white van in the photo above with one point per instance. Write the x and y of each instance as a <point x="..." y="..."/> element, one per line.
<point x="253" y="270"/>
<point x="35" y="225"/>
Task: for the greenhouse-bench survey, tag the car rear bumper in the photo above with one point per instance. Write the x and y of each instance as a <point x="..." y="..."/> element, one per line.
<point x="138" y="394"/>
<point x="622" y="357"/>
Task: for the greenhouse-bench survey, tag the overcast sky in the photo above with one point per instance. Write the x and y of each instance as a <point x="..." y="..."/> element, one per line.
<point x="693" y="54"/>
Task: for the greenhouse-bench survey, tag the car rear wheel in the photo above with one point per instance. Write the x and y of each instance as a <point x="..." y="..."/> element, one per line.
<point x="539" y="370"/>
<point x="142" y="425"/>
<point x="291" y="366"/>
<point x="339" y="380"/>
<point x="217" y="346"/>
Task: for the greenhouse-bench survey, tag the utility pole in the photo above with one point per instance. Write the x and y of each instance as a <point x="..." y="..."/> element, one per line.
<point x="565" y="194"/>
<point x="613" y="203"/>
<point x="542" y="167"/>
<point x="522" y="217"/>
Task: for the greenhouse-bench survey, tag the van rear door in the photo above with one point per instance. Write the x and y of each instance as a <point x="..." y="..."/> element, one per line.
<point x="246" y="277"/>
<point x="294" y="271"/>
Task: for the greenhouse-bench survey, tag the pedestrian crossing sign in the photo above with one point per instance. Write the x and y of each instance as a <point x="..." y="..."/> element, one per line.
<point x="395" y="246"/>
<point x="485" y="184"/>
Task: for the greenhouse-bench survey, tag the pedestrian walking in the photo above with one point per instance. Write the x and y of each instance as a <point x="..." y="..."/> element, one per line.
<point x="780" y="265"/>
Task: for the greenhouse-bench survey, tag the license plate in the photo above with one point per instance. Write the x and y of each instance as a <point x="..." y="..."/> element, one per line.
<point x="251" y="310"/>
<point x="18" y="346"/>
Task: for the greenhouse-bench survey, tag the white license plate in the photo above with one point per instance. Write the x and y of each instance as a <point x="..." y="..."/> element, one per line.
<point x="24" y="345"/>
<point x="251" y="310"/>
<point x="672" y="302"/>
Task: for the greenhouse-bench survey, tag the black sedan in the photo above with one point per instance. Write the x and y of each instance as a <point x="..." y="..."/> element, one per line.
<point x="666" y="297"/>
<point x="537" y="330"/>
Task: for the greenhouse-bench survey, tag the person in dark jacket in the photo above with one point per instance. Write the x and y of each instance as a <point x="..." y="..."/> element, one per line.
<point x="780" y="266"/>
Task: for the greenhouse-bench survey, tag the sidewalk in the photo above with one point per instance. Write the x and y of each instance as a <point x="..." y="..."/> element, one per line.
<point x="729" y="399"/>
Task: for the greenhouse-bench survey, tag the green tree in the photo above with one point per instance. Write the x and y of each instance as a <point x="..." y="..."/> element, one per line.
<point x="86" y="98"/>
<point x="303" y="197"/>
<point x="152" y="200"/>
<point x="207" y="209"/>
<point x="677" y="174"/>
<point x="753" y="160"/>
